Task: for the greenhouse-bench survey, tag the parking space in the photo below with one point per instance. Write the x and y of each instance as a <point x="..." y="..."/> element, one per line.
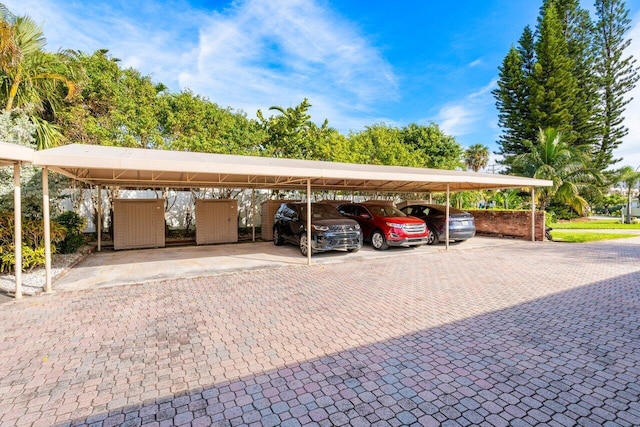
<point x="521" y="334"/>
<point x="113" y="268"/>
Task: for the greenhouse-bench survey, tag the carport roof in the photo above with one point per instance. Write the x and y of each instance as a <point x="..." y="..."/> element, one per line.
<point x="12" y="153"/>
<point x="134" y="167"/>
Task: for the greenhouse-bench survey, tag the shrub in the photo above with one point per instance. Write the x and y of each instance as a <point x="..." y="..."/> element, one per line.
<point x="74" y="225"/>
<point x="549" y="218"/>
<point x="71" y="243"/>
<point x="562" y="212"/>
<point x="73" y="222"/>
<point x="32" y="241"/>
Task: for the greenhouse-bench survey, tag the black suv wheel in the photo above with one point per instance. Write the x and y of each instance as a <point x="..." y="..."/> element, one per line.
<point x="277" y="237"/>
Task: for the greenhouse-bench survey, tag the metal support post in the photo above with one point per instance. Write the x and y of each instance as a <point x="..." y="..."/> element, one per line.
<point x="47" y="228"/>
<point x="446" y="222"/>
<point x="17" y="229"/>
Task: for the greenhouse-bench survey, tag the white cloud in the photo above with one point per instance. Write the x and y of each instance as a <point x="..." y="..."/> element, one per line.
<point x="263" y="53"/>
<point x="476" y="63"/>
<point x="469" y="115"/>
<point x="141" y="40"/>
<point x="255" y="54"/>
<point x="455" y="119"/>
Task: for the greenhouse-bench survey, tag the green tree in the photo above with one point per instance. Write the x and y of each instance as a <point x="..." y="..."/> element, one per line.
<point x="513" y="99"/>
<point x="116" y="107"/>
<point x="287" y="134"/>
<point x="192" y="123"/>
<point x="578" y="31"/>
<point x="414" y="145"/>
<point x="630" y="178"/>
<point x="476" y="157"/>
<point x="431" y="147"/>
<point x="507" y="199"/>
<point x="554" y="87"/>
<point x="617" y="74"/>
<point x="31" y="79"/>
<point x="567" y="166"/>
<point x="381" y="144"/>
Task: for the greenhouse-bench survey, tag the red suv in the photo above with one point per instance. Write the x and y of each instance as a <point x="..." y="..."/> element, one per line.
<point x="384" y="225"/>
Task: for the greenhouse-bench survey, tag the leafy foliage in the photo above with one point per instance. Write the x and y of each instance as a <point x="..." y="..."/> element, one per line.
<point x="32" y="241"/>
<point x="476" y="157"/>
<point x="552" y="158"/>
<point x="31" y="183"/>
<point x="617" y="74"/>
<point x="553" y="85"/>
<point x="16" y="128"/>
<point x="33" y="80"/>
<point x="630" y="178"/>
<point x="74" y="225"/>
<point x="508" y="199"/>
<point x="572" y="75"/>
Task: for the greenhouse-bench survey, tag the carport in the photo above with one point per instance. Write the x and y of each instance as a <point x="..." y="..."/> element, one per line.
<point x="102" y="166"/>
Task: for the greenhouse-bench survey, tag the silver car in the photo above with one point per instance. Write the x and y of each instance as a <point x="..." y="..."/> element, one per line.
<point x="462" y="226"/>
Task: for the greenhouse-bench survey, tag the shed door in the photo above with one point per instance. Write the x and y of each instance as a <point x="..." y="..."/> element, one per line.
<point x="138" y="224"/>
<point x="216" y="221"/>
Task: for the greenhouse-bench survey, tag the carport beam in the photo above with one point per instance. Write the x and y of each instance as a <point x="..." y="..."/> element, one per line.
<point x="47" y="229"/>
<point x="99" y="219"/>
<point x="533" y="214"/>
<point x="17" y="229"/>
<point x="309" y="221"/>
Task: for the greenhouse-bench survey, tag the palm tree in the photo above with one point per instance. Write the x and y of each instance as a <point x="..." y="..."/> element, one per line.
<point x="630" y="178"/>
<point x="507" y="199"/>
<point x="476" y="157"/>
<point x="33" y="80"/>
<point x="550" y="157"/>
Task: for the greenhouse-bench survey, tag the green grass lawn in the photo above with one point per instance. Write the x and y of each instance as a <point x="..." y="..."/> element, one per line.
<point x="601" y="224"/>
<point x="574" y="237"/>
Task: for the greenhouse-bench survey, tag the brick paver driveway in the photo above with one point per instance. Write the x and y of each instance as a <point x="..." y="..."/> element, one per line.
<point x="526" y="334"/>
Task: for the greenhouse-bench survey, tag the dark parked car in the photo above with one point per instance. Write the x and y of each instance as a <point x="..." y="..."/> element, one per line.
<point x="329" y="229"/>
<point x="462" y="226"/>
<point x="384" y="225"/>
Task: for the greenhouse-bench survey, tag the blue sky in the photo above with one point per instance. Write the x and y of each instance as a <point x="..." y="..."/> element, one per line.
<point x="358" y="62"/>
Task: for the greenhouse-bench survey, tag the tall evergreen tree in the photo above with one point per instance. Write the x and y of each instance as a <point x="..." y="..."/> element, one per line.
<point x="618" y="74"/>
<point x="512" y="98"/>
<point x="553" y="85"/>
<point x="578" y="31"/>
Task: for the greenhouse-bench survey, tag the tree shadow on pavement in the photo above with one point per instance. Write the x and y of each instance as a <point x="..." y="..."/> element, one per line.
<point x="572" y="358"/>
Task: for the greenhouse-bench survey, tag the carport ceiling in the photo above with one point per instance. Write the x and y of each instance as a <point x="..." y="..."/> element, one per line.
<point x="138" y="168"/>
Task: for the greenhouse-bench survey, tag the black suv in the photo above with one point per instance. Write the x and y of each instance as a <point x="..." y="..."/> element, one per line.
<point x="329" y="229"/>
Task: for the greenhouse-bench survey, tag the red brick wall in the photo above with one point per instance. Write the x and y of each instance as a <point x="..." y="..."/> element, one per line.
<point x="515" y="224"/>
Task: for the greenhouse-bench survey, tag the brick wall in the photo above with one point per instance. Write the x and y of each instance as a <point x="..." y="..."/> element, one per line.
<point x="516" y="224"/>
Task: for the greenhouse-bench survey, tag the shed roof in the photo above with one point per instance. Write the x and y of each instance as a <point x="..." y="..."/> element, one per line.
<point x="134" y="167"/>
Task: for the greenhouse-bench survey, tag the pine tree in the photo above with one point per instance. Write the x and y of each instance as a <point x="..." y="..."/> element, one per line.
<point x="512" y="99"/>
<point x="554" y="87"/>
<point x="510" y="102"/>
<point x="578" y="30"/>
<point x="617" y="74"/>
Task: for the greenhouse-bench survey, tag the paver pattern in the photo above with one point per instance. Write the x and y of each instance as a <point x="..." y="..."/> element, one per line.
<point x="526" y="334"/>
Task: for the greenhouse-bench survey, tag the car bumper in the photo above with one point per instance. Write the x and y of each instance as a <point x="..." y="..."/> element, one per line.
<point x="334" y="241"/>
<point x="408" y="241"/>
<point x="460" y="234"/>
